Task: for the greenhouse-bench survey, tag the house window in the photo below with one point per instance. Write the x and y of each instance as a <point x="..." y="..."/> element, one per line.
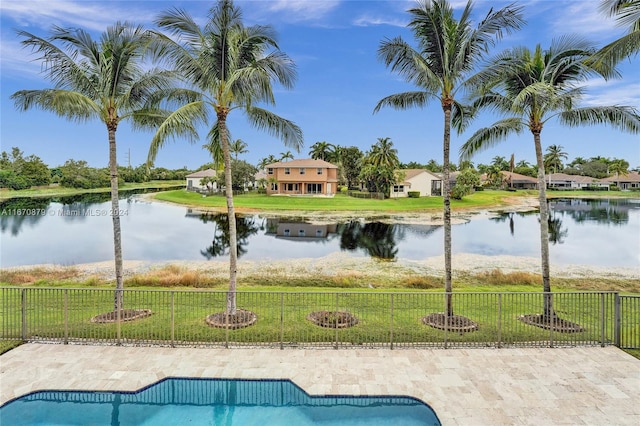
<point x="291" y="186"/>
<point x="318" y="232"/>
<point x="287" y="171"/>
<point x="287" y="232"/>
<point x="270" y="170"/>
<point x="301" y="232"/>
<point x="274" y="186"/>
<point x="314" y="188"/>
<point x="302" y="170"/>
<point x="398" y="188"/>
<point x="319" y="171"/>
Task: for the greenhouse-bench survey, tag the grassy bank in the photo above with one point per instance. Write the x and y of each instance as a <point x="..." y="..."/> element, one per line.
<point x="341" y="202"/>
<point x="58" y="191"/>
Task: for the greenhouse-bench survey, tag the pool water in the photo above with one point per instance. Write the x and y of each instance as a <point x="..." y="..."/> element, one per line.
<point x="180" y="401"/>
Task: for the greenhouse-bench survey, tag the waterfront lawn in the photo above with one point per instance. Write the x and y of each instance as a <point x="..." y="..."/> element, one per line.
<point x="58" y="191"/>
<point x="340" y="202"/>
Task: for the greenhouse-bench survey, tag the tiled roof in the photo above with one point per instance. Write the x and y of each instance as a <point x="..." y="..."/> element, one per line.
<point x="308" y="162"/>
<point x="630" y="177"/>
<point x="411" y="173"/>
<point x="571" y="178"/>
<point x="202" y="174"/>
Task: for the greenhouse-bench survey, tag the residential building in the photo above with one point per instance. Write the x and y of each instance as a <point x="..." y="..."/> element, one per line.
<point x="302" y="177"/>
<point x="565" y="181"/>
<point x="625" y="182"/>
<point x="194" y="181"/>
<point x="420" y="180"/>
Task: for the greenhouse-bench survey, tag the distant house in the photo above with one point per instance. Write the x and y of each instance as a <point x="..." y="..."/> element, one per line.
<point x="515" y="180"/>
<point x="629" y="181"/>
<point x="300" y="231"/>
<point x="565" y="181"/>
<point x="302" y="177"/>
<point x="194" y="181"/>
<point x="419" y="180"/>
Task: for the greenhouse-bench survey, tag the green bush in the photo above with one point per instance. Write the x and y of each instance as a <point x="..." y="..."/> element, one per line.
<point x="413" y="194"/>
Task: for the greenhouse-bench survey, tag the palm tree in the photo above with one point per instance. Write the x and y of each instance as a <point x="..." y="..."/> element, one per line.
<point x="284" y="156"/>
<point x="500" y="162"/>
<point x="98" y="80"/>
<point x="627" y="13"/>
<point x="619" y="167"/>
<point x="323" y="151"/>
<point x="531" y="88"/>
<point x="383" y="154"/>
<point x="270" y="159"/>
<point x="238" y="147"/>
<point x="448" y="51"/>
<point x="553" y="158"/>
<point x="230" y="66"/>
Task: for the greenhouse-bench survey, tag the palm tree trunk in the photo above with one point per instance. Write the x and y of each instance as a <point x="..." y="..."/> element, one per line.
<point x="233" y="245"/>
<point x="544" y="229"/>
<point x="115" y="217"/>
<point x="446" y="195"/>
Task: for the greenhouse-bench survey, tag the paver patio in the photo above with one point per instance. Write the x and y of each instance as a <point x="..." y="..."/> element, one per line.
<point x="541" y="386"/>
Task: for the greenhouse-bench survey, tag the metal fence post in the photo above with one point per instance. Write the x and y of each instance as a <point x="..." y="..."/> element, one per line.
<point x="602" y="320"/>
<point x="173" y="320"/>
<point x="617" y="320"/>
<point x="118" y="326"/>
<point x="24" y="314"/>
<point x="281" y="320"/>
<point x="66" y="316"/>
<point x="499" y="320"/>
<point x="336" y="315"/>
<point x="391" y="323"/>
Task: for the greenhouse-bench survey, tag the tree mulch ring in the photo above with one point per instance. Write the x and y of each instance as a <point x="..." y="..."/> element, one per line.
<point x="551" y="323"/>
<point x="455" y="323"/>
<point x="333" y="319"/>
<point x="125" y="315"/>
<point x="240" y="319"/>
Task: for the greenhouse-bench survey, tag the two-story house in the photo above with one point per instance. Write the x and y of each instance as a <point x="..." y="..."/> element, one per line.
<point x="302" y="177"/>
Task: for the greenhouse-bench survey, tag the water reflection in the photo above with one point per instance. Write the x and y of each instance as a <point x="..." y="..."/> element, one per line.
<point x="597" y="232"/>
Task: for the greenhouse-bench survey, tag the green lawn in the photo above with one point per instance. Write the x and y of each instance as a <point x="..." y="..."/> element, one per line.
<point x="340" y="202"/>
<point x="56" y="191"/>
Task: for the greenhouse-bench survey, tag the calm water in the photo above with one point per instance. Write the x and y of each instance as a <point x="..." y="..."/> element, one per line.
<point x="78" y="230"/>
<point x="214" y="402"/>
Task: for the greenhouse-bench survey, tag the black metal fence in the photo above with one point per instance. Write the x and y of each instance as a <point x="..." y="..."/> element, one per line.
<point x="382" y="320"/>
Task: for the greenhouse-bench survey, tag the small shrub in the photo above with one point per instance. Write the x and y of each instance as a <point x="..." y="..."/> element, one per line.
<point x="413" y="194"/>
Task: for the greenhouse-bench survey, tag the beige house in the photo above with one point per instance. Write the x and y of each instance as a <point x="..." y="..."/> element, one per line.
<point x="565" y="181"/>
<point x="625" y="182"/>
<point x="194" y="181"/>
<point x="514" y="180"/>
<point x="423" y="181"/>
<point x="300" y="231"/>
<point x="302" y="177"/>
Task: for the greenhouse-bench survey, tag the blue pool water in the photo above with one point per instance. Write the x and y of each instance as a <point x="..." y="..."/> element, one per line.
<point x="213" y="402"/>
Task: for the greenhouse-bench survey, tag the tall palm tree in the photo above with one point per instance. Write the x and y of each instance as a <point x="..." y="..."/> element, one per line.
<point x="619" y="167"/>
<point x="448" y="51"/>
<point x="238" y="147"/>
<point x="284" y="156"/>
<point x="627" y="14"/>
<point x="553" y="158"/>
<point x="383" y="154"/>
<point x="230" y="66"/>
<point x="98" y="80"/>
<point x="323" y="151"/>
<point x="270" y="159"/>
<point x="530" y="88"/>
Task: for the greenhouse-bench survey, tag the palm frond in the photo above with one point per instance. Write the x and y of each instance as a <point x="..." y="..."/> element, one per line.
<point x="68" y="104"/>
<point x="181" y="123"/>
<point x="490" y="136"/>
<point x="624" y="118"/>
<point x="214" y="146"/>
<point x="277" y="126"/>
<point x="405" y="100"/>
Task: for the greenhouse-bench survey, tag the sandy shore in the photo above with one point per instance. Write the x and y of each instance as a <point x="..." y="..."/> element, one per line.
<point x="345" y="264"/>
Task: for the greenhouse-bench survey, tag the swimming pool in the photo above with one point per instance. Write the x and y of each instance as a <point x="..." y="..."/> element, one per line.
<point x="177" y="401"/>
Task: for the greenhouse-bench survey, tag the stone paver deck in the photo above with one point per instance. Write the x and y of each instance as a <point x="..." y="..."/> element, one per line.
<point x="595" y="386"/>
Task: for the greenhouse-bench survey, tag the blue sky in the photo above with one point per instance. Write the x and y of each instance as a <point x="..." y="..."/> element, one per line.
<point x="340" y="80"/>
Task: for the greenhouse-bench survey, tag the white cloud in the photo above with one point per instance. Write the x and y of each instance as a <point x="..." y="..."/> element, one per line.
<point x="368" y="20"/>
<point x="302" y="10"/>
<point x="617" y="92"/>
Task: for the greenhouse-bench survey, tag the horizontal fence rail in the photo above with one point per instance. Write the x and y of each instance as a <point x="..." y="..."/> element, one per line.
<point x="285" y="319"/>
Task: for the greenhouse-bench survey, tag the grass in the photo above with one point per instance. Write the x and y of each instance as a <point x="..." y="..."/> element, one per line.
<point x="340" y="202"/>
<point x="55" y="190"/>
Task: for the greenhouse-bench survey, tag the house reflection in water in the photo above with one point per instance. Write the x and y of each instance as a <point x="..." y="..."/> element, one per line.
<point x="299" y="230"/>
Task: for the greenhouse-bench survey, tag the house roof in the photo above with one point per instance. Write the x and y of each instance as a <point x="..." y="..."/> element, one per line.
<point x="630" y="177"/>
<point x="571" y="178"/>
<point x="202" y="174"/>
<point x="308" y="162"/>
<point x="518" y="178"/>
<point x="411" y="173"/>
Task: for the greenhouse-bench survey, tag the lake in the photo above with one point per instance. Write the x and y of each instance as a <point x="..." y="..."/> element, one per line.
<point x="74" y="230"/>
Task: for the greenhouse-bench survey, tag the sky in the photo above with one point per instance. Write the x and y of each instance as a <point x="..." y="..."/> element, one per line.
<point x="340" y="80"/>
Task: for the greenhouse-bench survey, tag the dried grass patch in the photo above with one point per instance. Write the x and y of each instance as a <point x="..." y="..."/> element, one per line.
<point x="172" y="276"/>
<point x="22" y="276"/>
